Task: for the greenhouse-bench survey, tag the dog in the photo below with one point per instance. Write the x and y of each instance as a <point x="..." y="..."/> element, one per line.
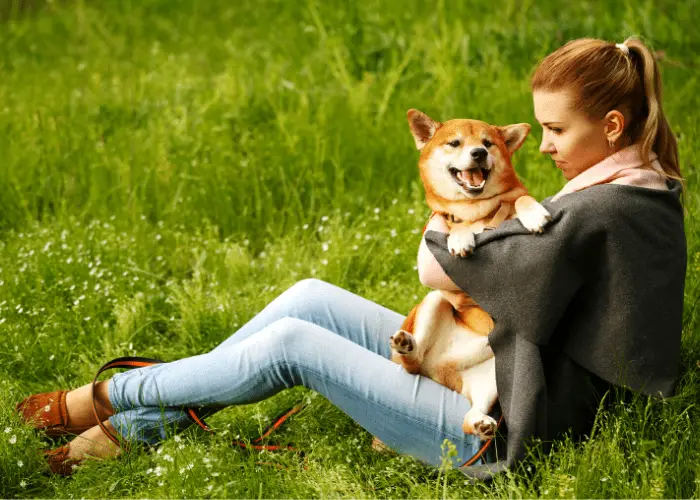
<point x="466" y="169"/>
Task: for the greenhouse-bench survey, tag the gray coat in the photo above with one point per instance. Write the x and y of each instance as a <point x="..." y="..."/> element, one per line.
<point x="595" y="300"/>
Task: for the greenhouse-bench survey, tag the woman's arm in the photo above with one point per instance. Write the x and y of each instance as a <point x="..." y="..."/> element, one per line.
<point x="430" y="272"/>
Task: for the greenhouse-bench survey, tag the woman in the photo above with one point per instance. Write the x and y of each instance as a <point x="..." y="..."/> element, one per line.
<point x="600" y="108"/>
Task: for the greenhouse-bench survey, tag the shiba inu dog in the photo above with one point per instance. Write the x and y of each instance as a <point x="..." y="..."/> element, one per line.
<point x="466" y="168"/>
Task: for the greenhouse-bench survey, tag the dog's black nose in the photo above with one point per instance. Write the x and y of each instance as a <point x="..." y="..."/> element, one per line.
<point x="479" y="154"/>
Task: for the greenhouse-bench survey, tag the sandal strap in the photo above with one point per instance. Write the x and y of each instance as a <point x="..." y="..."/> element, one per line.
<point x="58" y="460"/>
<point x="47" y="412"/>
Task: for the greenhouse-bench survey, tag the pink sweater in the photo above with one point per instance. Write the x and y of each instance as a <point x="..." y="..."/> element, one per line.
<point x="624" y="167"/>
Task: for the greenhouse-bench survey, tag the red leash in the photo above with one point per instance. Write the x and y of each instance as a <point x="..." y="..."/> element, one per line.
<point x="131" y="362"/>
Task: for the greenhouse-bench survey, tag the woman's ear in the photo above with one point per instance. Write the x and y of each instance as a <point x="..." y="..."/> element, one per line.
<point x="614" y="123"/>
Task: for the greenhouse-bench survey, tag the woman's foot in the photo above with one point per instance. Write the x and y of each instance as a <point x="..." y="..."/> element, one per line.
<point x="66" y="412"/>
<point x="92" y="443"/>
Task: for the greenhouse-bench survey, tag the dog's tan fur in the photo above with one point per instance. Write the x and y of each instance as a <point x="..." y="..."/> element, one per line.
<point x="446" y="343"/>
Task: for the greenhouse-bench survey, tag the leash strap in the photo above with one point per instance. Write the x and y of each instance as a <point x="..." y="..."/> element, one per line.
<point x="131" y="362"/>
<point x="501" y="215"/>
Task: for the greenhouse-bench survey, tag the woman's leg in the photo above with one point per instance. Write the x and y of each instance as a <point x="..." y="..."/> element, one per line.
<point x="344" y="313"/>
<point x="409" y="413"/>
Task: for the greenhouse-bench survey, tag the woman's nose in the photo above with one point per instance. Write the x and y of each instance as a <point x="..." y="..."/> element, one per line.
<point x="546" y="146"/>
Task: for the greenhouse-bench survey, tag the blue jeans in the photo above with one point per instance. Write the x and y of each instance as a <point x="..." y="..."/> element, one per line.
<point x="316" y="335"/>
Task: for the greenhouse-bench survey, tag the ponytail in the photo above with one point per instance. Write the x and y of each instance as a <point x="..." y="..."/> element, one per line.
<point x="656" y="134"/>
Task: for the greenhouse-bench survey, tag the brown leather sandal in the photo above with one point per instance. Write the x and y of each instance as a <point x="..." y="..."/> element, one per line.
<point x="58" y="461"/>
<point x="47" y="412"/>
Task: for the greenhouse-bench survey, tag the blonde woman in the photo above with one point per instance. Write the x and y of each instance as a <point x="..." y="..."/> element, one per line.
<point x="595" y="302"/>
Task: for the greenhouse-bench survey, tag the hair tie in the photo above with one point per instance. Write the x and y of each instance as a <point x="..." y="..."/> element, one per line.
<point x="624" y="48"/>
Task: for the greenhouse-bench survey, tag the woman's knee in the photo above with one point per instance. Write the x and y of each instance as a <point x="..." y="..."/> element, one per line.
<point x="308" y="287"/>
<point x="306" y="294"/>
<point x="288" y="331"/>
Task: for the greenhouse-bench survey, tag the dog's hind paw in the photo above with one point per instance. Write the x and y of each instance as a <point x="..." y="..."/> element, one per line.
<point x="479" y="424"/>
<point x="402" y="342"/>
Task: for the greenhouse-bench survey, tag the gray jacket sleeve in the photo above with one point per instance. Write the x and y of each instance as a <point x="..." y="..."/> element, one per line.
<point x="524" y="281"/>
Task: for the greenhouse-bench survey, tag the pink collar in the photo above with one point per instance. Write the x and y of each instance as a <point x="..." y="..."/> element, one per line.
<point x="623" y="167"/>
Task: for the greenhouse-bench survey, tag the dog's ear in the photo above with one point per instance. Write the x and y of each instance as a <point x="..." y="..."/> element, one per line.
<point x="422" y="127"/>
<point x="514" y="135"/>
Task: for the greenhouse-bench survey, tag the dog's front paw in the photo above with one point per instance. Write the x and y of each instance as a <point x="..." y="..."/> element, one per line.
<point x="461" y="243"/>
<point x="479" y="424"/>
<point x="402" y="342"/>
<point x="531" y="214"/>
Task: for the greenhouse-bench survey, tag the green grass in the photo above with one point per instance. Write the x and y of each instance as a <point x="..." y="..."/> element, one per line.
<point x="169" y="167"/>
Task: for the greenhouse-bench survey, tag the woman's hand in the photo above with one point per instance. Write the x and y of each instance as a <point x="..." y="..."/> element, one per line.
<point x="430" y="272"/>
<point x="437" y="222"/>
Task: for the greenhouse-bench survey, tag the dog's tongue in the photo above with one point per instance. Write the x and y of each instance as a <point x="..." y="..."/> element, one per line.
<point x="473" y="177"/>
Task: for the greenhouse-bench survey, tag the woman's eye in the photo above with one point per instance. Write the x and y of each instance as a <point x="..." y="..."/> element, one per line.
<point x="556" y="130"/>
<point x="454" y="144"/>
<point x="487" y="143"/>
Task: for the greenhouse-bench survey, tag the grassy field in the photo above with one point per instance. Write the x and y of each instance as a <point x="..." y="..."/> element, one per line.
<point x="168" y="167"/>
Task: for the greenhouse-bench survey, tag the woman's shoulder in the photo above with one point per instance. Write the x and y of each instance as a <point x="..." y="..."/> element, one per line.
<point x="615" y="205"/>
<point x="621" y="215"/>
<point x="612" y="198"/>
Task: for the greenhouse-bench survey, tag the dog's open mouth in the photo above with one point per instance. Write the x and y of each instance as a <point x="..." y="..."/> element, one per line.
<point x="472" y="180"/>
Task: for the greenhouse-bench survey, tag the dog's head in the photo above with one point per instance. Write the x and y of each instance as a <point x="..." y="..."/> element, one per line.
<point x="465" y="159"/>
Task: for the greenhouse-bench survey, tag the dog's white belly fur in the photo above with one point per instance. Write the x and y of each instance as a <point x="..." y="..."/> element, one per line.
<point x="445" y="345"/>
<point x="454" y="342"/>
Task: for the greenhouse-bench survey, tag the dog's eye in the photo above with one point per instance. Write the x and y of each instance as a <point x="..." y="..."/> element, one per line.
<point x="487" y="143"/>
<point x="454" y="144"/>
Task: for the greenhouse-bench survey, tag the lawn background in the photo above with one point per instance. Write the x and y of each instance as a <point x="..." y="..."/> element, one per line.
<point x="169" y="167"/>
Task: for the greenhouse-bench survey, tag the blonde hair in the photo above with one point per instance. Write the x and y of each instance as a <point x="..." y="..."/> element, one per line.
<point x="604" y="77"/>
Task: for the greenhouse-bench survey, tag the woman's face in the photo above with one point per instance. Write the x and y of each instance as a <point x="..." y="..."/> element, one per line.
<point x="575" y="141"/>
